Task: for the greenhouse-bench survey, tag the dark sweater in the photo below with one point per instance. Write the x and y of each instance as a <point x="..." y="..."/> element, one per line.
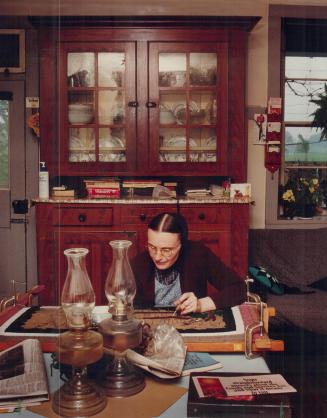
<point x="197" y="265"/>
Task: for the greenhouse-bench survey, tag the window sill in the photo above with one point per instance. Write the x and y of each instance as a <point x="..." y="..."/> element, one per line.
<point x="296" y="223"/>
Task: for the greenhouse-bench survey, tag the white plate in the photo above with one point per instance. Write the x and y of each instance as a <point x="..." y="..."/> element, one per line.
<point x="210" y="142"/>
<point x="178" y="142"/>
<point x="112" y="142"/>
<point x="77" y="144"/>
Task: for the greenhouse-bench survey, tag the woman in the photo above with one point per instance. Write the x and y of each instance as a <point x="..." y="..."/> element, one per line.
<point x="174" y="271"/>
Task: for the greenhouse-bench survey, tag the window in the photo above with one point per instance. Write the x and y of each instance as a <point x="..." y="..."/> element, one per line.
<point x="12" y="57"/>
<point x="304" y="78"/>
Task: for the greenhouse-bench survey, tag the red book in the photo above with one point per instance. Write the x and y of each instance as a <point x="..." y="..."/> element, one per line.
<point x="96" y="192"/>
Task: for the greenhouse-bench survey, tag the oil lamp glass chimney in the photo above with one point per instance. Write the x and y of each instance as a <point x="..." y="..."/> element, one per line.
<point x="120" y="287"/>
<point x="79" y="346"/>
<point x="121" y="331"/>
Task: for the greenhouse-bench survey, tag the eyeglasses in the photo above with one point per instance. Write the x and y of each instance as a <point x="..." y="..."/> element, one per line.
<point x="164" y="252"/>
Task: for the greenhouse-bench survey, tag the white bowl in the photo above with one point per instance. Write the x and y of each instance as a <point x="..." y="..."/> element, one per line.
<point x="81" y="107"/>
<point x="76" y="117"/>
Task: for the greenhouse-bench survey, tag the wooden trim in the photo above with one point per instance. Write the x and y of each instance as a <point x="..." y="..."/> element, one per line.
<point x="298" y="11"/>
<point x="50" y="344"/>
<point x="246" y="23"/>
<point x="276" y="13"/>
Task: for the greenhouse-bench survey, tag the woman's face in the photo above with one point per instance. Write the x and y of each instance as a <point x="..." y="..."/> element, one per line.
<point x="164" y="248"/>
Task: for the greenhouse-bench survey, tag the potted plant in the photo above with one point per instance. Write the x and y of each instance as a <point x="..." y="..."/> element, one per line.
<point x="301" y="196"/>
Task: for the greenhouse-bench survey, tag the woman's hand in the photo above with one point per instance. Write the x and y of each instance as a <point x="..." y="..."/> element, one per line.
<point x="187" y="303"/>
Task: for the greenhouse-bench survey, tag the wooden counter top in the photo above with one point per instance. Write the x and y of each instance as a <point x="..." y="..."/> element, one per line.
<point x="148" y="200"/>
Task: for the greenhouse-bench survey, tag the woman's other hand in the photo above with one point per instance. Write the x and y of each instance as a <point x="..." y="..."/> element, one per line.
<point x="188" y="303"/>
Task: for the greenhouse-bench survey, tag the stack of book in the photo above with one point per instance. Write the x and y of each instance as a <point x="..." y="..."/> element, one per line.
<point x="102" y="189"/>
<point x="141" y="187"/>
<point x="198" y="192"/>
<point x="61" y="192"/>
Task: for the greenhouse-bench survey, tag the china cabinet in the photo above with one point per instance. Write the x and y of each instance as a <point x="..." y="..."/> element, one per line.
<point x="140" y="97"/>
<point x="144" y="100"/>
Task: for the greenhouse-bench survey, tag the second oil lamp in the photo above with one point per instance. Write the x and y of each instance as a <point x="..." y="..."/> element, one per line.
<point x="121" y="331"/>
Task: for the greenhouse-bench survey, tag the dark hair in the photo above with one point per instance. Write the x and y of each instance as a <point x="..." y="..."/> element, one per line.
<point x="170" y="222"/>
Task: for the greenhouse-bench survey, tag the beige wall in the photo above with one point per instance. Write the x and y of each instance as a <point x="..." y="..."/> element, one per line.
<point x="257" y="77"/>
<point x="124" y="7"/>
<point x="143" y="7"/>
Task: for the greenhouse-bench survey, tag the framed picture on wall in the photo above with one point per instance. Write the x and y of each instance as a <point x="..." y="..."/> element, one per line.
<point x="12" y="57"/>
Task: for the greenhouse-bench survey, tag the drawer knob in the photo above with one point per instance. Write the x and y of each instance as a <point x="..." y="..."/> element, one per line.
<point x="202" y="216"/>
<point x="82" y="217"/>
<point x="143" y="217"/>
<point x="150" y="104"/>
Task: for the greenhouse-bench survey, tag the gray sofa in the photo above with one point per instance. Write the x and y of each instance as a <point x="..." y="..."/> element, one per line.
<point x="298" y="259"/>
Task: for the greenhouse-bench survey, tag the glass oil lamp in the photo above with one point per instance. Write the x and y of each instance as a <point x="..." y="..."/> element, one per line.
<point x="121" y="331"/>
<point x="79" y="346"/>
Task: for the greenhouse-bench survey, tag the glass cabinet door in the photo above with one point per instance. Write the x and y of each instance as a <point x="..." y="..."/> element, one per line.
<point x="186" y="81"/>
<point x="99" y="124"/>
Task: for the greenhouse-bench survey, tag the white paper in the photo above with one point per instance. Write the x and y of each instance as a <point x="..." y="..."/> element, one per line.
<point x="255" y="385"/>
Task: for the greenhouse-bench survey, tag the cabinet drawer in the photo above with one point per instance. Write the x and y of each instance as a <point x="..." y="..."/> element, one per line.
<point x="206" y="215"/>
<point x="142" y="214"/>
<point x="83" y="216"/>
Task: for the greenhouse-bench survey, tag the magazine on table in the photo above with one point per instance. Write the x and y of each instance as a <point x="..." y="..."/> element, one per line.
<point x="174" y="367"/>
<point x="23" y="378"/>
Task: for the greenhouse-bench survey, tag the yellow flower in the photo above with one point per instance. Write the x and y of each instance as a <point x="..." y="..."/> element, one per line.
<point x="289" y="196"/>
<point x="315" y="182"/>
<point x="311" y="189"/>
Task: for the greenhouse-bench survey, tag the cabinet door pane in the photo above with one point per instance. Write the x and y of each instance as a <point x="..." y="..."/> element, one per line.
<point x="172" y="145"/>
<point x="172" y="108"/>
<point x="111" y="107"/>
<point x="203" y="144"/>
<point x="172" y="69"/>
<point x="112" y="144"/>
<point x="81" y="145"/>
<point x="111" y="69"/>
<point x="203" y="69"/>
<point x="80" y="69"/>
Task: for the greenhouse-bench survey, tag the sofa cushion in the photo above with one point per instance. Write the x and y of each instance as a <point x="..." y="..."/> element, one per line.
<point x="266" y="279"/>
<point x="297" y="257"/>
<point x="305" y="310"/>
<point x="320" y="284"/>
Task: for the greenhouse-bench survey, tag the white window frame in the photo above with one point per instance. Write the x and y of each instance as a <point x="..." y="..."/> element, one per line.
<point x="275" y="89"/>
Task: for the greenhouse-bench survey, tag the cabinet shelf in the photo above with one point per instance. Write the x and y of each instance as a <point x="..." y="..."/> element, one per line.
<point x="101" y="149"/>
<point x="183" y="149"/>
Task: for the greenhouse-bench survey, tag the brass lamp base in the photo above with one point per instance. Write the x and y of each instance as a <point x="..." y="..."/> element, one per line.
<point x="121" y="378"/>
<point x="78" y="398"/>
